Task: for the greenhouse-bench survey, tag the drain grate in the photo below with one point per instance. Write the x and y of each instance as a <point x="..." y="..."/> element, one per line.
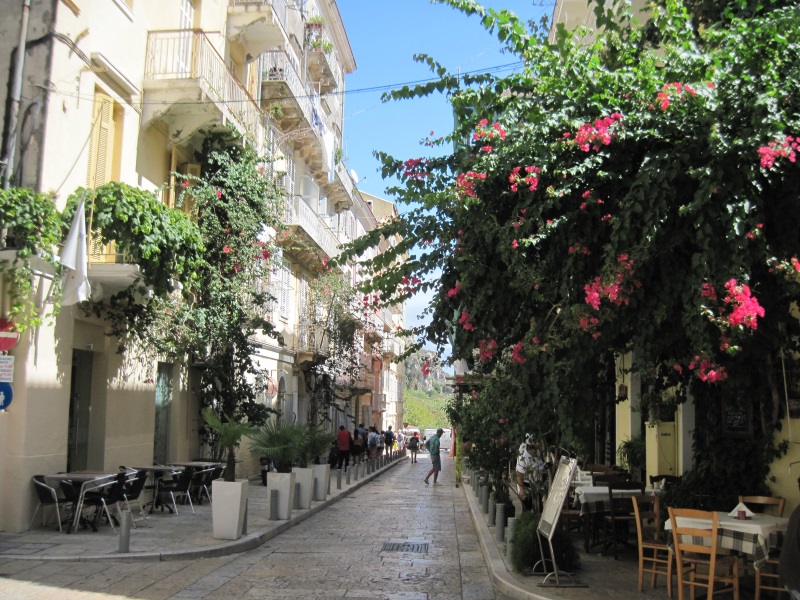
<point x="405" y="547"/>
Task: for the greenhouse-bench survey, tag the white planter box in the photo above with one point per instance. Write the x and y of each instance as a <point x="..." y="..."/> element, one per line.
<point x="228" y="508"/>
<point x="305" y="477"/>
<point x="284" y="483"/>
<point x="322" y="477"/>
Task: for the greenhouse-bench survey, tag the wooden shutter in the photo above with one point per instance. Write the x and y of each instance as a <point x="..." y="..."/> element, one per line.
<point x="286" y="285"/>
<point x="101" y="142"/>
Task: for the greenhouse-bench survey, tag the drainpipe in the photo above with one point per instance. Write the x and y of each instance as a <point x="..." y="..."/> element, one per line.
<point x="16" y="94"/>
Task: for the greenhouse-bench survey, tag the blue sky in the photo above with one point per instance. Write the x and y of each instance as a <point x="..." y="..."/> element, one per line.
<point x="384" y="36"/>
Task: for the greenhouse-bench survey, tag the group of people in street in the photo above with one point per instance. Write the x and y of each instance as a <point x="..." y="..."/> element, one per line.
<point x="362" y="443"/>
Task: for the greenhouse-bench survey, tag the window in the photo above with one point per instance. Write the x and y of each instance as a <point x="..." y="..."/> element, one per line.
<point x="105" y="141"/>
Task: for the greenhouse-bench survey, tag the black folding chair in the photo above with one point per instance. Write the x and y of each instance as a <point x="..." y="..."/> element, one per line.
<point x="48" y="496"/>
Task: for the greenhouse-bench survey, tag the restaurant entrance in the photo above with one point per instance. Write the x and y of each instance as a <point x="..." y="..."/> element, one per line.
<point x="80" y="403"/>
<point x="163" y="403"/>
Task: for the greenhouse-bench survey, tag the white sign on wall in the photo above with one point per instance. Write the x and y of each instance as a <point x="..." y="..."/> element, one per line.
<point x="6" y="369"/>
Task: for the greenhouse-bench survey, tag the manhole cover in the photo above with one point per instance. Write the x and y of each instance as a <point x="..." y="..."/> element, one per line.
<point x="405" y="547"/>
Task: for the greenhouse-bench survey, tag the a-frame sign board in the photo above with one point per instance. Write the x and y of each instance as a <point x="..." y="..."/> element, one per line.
<point x="548" y="522"/>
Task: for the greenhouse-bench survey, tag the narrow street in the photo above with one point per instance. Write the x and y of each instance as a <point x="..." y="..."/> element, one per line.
<point x="345" y="551"/>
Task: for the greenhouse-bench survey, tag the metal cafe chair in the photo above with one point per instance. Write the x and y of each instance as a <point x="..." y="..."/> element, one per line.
<point x="48" y="496"/>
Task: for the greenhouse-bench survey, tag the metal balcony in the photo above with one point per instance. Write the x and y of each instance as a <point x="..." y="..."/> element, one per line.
<point x="302" y="220"/>
<point x="188" y="86"/>
<point x="322" y="66"/>
<point x="296" y="108"/>
<point x="258" y="25"/>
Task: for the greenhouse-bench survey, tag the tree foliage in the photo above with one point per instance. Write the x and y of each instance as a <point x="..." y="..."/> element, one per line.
<point x="613" y="198"/>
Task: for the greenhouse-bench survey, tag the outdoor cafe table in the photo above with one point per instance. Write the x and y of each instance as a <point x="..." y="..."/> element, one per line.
<point x="88" y="480"/>
<point x="157" y="473"/>
<point x="594" y="502"/>
<point x="754" y="537"/>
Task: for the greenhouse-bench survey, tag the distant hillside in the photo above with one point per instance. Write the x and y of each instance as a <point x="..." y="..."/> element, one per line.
<point x="425" y="396"/>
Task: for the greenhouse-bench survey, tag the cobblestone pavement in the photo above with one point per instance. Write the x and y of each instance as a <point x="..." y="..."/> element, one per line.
<point x="343" y="551"/>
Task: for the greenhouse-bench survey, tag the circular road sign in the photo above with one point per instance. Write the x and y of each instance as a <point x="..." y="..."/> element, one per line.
<point x="6" y="394"/>
<point x="9" y="336"/>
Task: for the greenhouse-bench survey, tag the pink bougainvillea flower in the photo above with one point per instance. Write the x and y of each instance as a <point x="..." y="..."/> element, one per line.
<point x="786" y="148"/>
<point x="486" y="350"/>
<point x="185" y="184"/>
<point x="426" y="368"/>
<point x="516" y="354"/>
<point x="453" y="291"/>
<point x="514" y="244"/>
<point x="219" y="193"/>
<point x="465" y="320"/>
<point x="227" y="249"/>
<point x="745" y="306"/>
<point x="501" y="420"/>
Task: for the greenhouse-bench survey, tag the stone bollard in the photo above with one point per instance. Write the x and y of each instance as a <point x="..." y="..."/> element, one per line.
<point x="492" y="510"/>
<point x="125" y="520"/>
<point x="512" y="523"/>
<point x="500" y="523"/>
<point x="355" y="471"/>
<point x="481" y="482"/>
<point x="273" y="505"/>
<point x="244" y="521"/>
<point x="338" y="479"/>
<point x="329" y="484"/>
<point x="296" y="495"/>
<point x="485" y="499"/>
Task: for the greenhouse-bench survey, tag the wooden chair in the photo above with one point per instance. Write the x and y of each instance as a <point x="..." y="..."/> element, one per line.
<point x="655" y="556"/>
<point x="617" y="523"/>
<point x="690" y="554"/>
<point x="767" y="578"/>
<point x="669" y="480"/>
<point x="764" y="504"/>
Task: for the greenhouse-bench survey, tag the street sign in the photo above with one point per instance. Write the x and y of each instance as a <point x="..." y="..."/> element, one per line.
<point x="7" y="369"/>
<point x="9" y="336"/>
<point x="6" y="395"/>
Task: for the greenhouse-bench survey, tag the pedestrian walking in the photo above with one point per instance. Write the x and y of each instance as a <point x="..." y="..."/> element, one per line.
<point x="344" y="439"/>
<point x="413" y="447"/>
<point x="358" y="446"/>
<point x="436" y="461"/>
<point x="381" y="442"/>
<point x="372" y="443"/>
<point x="389" y="440"/>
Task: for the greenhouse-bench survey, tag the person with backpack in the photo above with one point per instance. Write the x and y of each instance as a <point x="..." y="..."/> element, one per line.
<point x="381" y="442"/>
<point x="389" y="440"/>
<point x="372" y="443"/>
<point x="413" y="446"/>
<point x="358" y="446"/>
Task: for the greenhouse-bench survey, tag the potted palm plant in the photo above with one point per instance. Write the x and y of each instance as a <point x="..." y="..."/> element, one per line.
<point x="282" y="442"/>
<point x="230" y="494"/>
<point x="317" y="444"/>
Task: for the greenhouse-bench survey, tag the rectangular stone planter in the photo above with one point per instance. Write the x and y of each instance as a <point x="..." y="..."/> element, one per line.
<point x="228" y="508"/>
<point x="305" y="477"/>
<point x="322" y="476"/>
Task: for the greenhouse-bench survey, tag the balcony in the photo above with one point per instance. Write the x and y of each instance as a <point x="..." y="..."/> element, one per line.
<point x="391" y="347"/>
<point x="188" y="86"/>
<point x="312" y="344"/>
<point x="109" y="271"/>
<point x="322" y="67"/>
<point x="342" y="191"/>
<point x="301" y="219"/>
<point x="296" y="108"/>
<point x="258" y="25"/>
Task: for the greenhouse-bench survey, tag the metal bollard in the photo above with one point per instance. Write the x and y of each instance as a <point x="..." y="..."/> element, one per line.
<point x="485" y="499"/>
<point x="492" y="510"/>
<point x="348" y="476"/>
<point x="329" y="483"/>
<point x="273" y="505"/>
<point x="355" y="471"/>
<point x="481" y="481"/>
<point x="296" y="495"/>
<point x="338" y="479"/>
<point x="244" y="522"/>
<point x="125" y="520"/>
<point x="510" y="537"/>
<point x="500" y="523"/>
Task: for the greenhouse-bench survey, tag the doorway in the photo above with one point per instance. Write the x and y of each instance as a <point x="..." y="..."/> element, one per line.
<point x="80" y="410"/>
<point x="163" y="403"/>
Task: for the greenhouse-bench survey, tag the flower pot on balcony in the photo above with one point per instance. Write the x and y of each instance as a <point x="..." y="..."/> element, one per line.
<point x="284" y="483"/>
<point x="305" y="477"/>
<point x="228" y="508"/>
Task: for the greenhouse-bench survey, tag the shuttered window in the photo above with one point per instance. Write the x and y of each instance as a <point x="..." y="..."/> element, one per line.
<point x="286" y="286"/>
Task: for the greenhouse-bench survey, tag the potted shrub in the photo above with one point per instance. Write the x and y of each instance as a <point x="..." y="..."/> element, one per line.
<point x="230" y="495"/>
<point x="281" y="441"/>
<point x="317" y="445"/>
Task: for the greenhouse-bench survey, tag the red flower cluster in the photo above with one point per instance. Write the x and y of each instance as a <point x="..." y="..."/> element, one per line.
<point x="426" y="368"/>
<point x="788" y="148"/>
<point x="745" y="306"/>
<point x="531" y="179"/>
<point x="415" y="168"/>
<point x="707" y="370"/>
<point x="593" y="135"/>
<point x="410" y="286"/>
<point x="516" y="354"/>
<point x="465" y="320"/>
<point x="751" y="235"/>
<point x="616" y="291"/>
<point x="576" y="247"/>
<point x="465" y="182"/>
<point x="486" y="350"/>
<point x="484" y="131"/>
<point x="453" y="291"/>
<point x="673" y="91"/>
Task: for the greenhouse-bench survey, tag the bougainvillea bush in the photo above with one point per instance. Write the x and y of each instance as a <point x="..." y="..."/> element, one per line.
<point x="633" y="194"/>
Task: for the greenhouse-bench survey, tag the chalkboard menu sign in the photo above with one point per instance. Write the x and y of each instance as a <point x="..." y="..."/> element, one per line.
<point x="556" y="496"/>
<point x="737" y="417"/>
